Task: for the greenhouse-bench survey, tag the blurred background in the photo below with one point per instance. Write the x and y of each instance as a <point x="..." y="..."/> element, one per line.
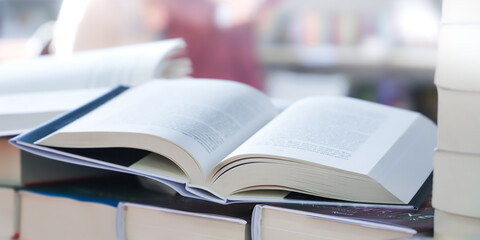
<point x="379" y="50"/>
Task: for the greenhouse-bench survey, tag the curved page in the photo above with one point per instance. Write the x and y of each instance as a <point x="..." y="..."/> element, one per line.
<point x="203" y="120"/>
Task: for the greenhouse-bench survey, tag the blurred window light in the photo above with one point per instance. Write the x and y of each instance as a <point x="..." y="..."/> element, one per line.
<point x="417" y="21"/>
<point x="460" y="11"/>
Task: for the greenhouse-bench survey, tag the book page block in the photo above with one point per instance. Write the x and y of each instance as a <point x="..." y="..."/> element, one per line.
<point x="458" y="57"/>
<point x="454" y="226"/>
<point x="455" y="183"/>
<point x="458" y="119"/>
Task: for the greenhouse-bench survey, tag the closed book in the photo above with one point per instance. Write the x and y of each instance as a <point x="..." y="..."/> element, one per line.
<point x="455" y="226"/>
<point x="128" y="210"/>
<point x="149" y="222"/>
<point x="58" y="217"/>
<point x="333" y="222"/>
<point x="458" y="119"/>
<point x="455" y="183"/>
<point x="457" y="55"/>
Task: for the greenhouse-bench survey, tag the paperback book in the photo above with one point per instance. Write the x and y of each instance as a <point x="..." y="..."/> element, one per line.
<point x="224" y="141"/>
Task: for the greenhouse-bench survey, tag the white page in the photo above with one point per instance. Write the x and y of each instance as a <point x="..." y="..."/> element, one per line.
<point x="127" y="65"/>
<point x="23" y="111"/>
<point x="208" y="118"/>
<point x="337" y="132"/>
<point x="25" y="103"/>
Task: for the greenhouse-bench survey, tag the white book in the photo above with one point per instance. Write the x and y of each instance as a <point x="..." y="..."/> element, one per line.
<point x="322" y="222"/>
<point x="458" y="119"/>
<point x="126" y="65"/>
<point x="455" y="226"/>
<point x="136" y="221"/>
<point x="36" y="90"/>
<point x="458" y="56"/>
<point x="224" y="141"/>
<point x="455" y="183"/>
<point x="44" y="216"/>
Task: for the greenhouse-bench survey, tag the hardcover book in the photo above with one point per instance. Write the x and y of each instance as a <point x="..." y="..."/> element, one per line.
<point x="120" y="207"/>
<point x="330" y="222"/>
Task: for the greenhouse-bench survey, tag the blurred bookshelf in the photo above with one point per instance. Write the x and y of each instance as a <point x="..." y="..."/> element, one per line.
<point x="351" y="59"/>
<point x="385" y="48"/>
<point x="380" y="50"/>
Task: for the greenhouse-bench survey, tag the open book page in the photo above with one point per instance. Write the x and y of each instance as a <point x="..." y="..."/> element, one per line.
<point x="22" y="111"/>
<point x="208" y="119"/>
<point x="337" y="132"/>
<point x="128" y="65"/>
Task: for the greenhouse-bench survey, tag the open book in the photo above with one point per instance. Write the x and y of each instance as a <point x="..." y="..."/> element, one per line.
<point x="34" y="91"/>
<point x="223" y="140"/>
<point x="127" y="65"/>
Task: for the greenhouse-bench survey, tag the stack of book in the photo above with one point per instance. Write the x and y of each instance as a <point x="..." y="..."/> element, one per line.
<point x="457" y="159"/>
<point x="191" y="159"/>
<point x="35" y="91"/>
<point x="120" y="207"/>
